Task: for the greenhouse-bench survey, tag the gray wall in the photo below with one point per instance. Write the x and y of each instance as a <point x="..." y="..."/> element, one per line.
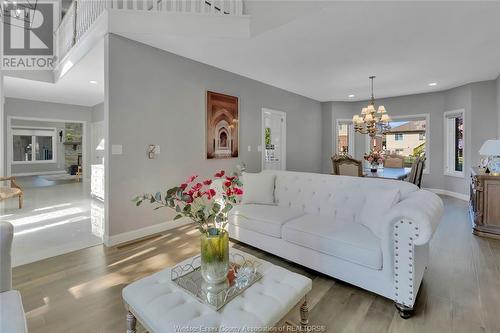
<point x="170" y="111"/>
<point x="332" y="111"/>
<point x="36" y="109"/>
<point x="481" y="112"/>
<point x="98" y="112"/>
<point x="498" y="106"/>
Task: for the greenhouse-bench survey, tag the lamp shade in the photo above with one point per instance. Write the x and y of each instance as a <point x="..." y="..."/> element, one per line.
<point x="490" y="148"/>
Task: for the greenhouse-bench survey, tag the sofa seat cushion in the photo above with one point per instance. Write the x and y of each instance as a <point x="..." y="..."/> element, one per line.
<point x="12" y="313"/>
<point x="349" y="241"/>
<point x="264" y="219"/>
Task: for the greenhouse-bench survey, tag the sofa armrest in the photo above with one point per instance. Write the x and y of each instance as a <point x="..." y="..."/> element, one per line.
<point x="423" y="209"/>
<point x="407" y="230"/>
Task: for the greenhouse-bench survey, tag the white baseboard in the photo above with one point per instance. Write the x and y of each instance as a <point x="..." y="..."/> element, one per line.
<point x="457" y="195"/>
<point x="143" y="232"/>
<point x="39" y="173"/>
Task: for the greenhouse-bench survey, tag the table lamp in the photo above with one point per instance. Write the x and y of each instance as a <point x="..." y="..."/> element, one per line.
<point x="491" y="148"/>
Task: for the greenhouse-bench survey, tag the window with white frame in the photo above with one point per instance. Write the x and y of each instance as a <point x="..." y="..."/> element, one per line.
<point x="345" y="137"/>
<point x="454" y="143"/>
<point x="408" y="136"/>
<point x="33" y="145"/>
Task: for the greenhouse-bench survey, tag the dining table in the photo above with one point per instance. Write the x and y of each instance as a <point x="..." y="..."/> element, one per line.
<point x="388" y="173"/>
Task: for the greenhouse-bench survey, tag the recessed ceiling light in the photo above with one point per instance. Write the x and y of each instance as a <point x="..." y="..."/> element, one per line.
<point x="433" y="84"/>
<point x="93" y="82"/>
<point x="351" y="96"/>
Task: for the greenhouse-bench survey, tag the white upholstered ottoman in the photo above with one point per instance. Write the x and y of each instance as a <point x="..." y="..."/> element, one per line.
<point x="163" y="307"/>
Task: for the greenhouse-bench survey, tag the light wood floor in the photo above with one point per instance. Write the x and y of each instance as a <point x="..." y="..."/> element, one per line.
<point x="81" y="291"/>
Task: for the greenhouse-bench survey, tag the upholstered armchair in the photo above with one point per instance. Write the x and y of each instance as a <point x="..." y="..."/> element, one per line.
<point x="11" y="192"/>
<point x="394" y="161"/>
<point x="12" y="319"/>
<point x="344" y="165"/>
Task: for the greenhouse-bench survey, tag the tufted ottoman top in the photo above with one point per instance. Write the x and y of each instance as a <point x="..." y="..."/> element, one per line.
<point x="163" y="307"/>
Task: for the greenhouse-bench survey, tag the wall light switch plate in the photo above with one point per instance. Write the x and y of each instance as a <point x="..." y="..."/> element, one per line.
<point x="116" y="149"/>
<point x="259" y="148"/>
<point x="249" y="148"/>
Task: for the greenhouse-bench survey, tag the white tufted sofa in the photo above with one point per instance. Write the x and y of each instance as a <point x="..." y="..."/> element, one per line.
<point x="313" y="224"/>
<point x="12" y="319"/>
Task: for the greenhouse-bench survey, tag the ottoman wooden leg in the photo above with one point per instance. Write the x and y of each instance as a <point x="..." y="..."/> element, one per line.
<point x="131" y="323"/>
<point x="304" y="313"/>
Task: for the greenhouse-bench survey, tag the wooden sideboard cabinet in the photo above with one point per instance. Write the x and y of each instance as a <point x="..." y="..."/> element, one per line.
<point x="484" y="204"/>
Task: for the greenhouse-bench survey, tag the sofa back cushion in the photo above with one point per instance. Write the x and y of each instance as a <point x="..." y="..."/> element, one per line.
<point x="376" y="208"/>
<point x="329" y="195"/>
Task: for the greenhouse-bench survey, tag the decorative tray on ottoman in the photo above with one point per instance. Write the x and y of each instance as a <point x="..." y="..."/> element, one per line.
<point x="244" y="273"/>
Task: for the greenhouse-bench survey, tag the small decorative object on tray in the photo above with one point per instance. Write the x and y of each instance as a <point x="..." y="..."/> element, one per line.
<point x="242" y="274"/>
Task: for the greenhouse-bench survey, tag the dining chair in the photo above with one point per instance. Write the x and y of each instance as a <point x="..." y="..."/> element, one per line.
<point x="417" y="170"/>
<point x="345" y="165"/>
<point x="394" y="161"/>
<point x="420" y="171"/>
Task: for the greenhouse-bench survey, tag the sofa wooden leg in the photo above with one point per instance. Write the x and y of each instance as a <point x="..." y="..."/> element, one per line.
<point x="405" y="312"/>
<point x="131" y="322"/>
<point x="304" y="313"/>
<point x="20" y="201"/>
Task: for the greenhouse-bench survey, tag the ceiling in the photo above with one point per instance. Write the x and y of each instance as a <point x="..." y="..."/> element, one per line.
<point x="73" y="88"/>
<point x="325" y="50"/>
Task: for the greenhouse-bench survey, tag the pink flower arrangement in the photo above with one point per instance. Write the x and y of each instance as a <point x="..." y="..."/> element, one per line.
<point x="198" y="200"/>
<point x="374" y="157"/>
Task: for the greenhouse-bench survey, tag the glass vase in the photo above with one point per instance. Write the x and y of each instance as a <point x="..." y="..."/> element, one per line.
<point x="214" y="255"/>
<point x="374" y="167"/>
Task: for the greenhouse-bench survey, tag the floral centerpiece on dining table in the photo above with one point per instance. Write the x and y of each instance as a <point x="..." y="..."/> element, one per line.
<point x="207" y="203"/>
<point x="375" y="158"/>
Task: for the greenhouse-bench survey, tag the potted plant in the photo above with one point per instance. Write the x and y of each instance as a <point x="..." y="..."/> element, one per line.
<point x="207" y="203"/>
<point x="375" y="158"/>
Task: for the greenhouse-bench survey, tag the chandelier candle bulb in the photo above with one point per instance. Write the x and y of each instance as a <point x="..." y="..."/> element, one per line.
<point x="381" y="109"/>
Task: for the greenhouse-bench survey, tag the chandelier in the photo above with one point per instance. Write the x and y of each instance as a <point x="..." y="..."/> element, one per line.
<point x="372" y="121"/>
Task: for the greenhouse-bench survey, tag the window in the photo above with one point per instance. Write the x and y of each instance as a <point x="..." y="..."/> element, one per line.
<point x="345" y="137"/>
<point x="33" y="145"/>
<point x="408" y="137"/>
<point x="454" y="143"/>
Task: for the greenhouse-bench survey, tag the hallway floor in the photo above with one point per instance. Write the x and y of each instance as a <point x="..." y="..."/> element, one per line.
<point x="58" y="217"/>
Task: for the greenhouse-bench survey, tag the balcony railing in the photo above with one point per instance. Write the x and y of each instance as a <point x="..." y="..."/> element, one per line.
<point x="83" y="13"/>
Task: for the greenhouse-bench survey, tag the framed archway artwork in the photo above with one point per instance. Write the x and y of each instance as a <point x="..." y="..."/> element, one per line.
<point x="222" y="126"/>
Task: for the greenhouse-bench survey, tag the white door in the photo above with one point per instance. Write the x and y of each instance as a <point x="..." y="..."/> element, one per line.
<point x="273" y="140"/>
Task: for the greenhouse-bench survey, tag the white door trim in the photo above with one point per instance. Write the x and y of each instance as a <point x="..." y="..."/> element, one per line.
<point x="263" y="138"/>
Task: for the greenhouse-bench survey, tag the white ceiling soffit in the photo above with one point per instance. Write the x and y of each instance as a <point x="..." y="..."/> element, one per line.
<point x="326" y="50"/>
<point x="72" y="88"/>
